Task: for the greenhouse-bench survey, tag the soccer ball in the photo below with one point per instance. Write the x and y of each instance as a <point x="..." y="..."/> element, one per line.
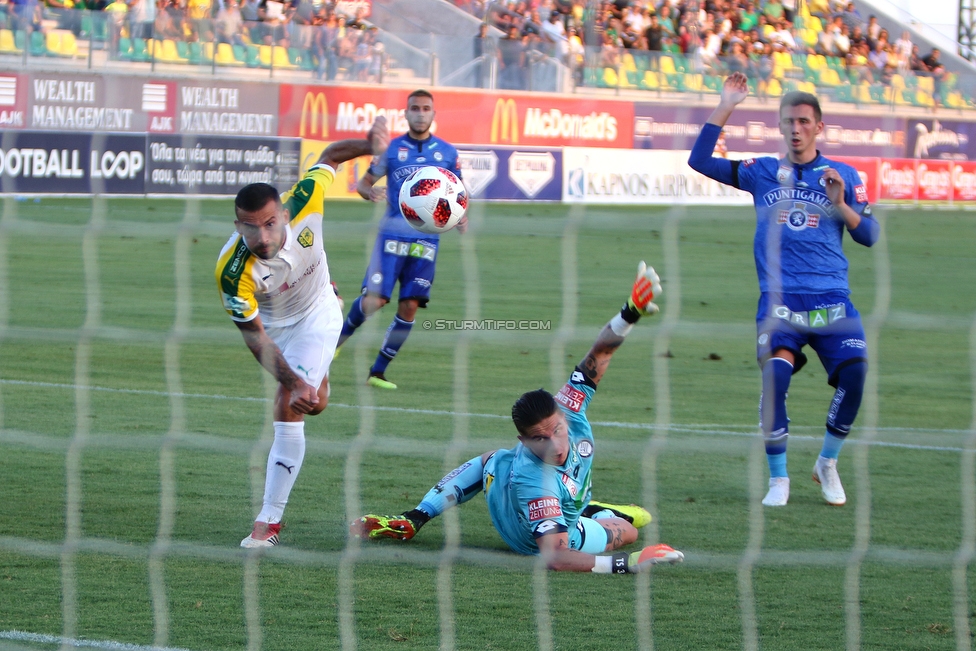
<point x="433" y="200"/>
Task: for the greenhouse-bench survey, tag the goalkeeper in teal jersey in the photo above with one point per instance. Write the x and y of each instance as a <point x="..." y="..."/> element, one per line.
<point x="539" y="492"/>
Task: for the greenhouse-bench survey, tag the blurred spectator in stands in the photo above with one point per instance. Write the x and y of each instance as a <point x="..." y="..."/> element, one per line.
<point x="347" y="40"/>
<point x="229" y="24"/>
<point x="25" y="15"/>
<point x="324" y="46"/>
<point x="936" y="70"/>
<point x="115" y="12"/>
<point x="820" y="9"/>
<point x="484" y="49"/>
<point x="252" y="20"/>
<point x="669" y="46"/>
<point x="784" y="36"/>
<point x="789" y="10"/>
<point x="903" y="51"/>
<point x="873" y="30"/>
<point x="511" y="60"/>
<point x="198" y="14"/>
<point x="363" y="56"/>
<point x="302" y="21"/>
<point x="915" y="63"/>
<point x="67" y="13"/>
<point x="773" y="11"/>
<point x="761" y="60"/>
<point x="842" y="42"/>
<point x="554" y="32"/>
<point x="748" y="17"/>
<point x="576" y="56"/>
<point x="857" y="37"/>
<point x="666" y="22"/>
<point x="858" y="65"/>
<point x="685" y="40"/>
<point x="878" y="60"/>
<point x="141" y="15"/>
<point x="377" y="58"/>
<point x="169" y="21"/>
<point x="609" y="52"/>
<point x="737" y="61"/>
<point x="275" y="17"/>
<point x="852" y="17"/>
<point x="654" y="34"/>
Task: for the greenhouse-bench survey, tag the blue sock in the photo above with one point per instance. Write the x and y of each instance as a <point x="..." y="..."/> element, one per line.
<point x="831" y="445"/>
<point x="355" y="318"/>
<point x="457" y="487"/>
<point x="776" y="376"/>
<point x="396" y="334"/>
<point x="777" y="464"/>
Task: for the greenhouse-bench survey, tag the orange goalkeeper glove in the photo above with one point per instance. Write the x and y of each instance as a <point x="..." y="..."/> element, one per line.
<point x="636" y="562"/>
<point x="647" y="286"/>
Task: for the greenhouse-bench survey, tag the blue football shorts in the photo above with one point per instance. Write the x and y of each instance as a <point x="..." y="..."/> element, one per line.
<point x="410" y="262"/>
<point x="828" y="323"/>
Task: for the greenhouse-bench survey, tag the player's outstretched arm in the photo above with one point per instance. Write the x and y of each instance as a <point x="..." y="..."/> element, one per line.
<point x="734" y="91"/>
<point x="646" y="288"/>
<point x="304" y="396"/>
<point x="554" y="549"/>
<point x="342" y="150"/>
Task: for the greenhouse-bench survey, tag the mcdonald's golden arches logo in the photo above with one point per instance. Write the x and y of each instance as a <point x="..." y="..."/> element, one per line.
<point x="504" y="121"/>
<point x="315" y="116"/>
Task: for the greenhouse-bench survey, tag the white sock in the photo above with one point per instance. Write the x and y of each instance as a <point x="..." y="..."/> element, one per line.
<point x="284" y="462"/>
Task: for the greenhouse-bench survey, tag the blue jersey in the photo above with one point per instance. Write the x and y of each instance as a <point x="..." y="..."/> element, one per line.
<point x="799" y="233"/>
<point x="404" y="156"/>
<point x="528" y="498"/>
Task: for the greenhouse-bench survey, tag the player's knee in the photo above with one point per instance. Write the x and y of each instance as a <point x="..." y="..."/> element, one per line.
<point x="849" y="383"/>
<point x="372" y="303"/>
<point x="620" y="533"/>
<point x="407" y="309"/>
<point x="323" y="393"/>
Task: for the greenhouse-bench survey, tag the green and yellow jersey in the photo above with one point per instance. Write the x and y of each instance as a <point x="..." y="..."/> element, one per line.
<point x="285" y="288"/>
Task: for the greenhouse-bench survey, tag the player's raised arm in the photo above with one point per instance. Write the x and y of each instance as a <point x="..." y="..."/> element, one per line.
<point x="734" y="91"/>
<point x="646" y="287"/>
<point x="343" y="150"/>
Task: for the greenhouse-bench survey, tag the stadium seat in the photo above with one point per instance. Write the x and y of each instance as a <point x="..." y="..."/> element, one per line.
<point x="37" y="45"/>
<point x="650" y="80"/>
<point x="251" y="57"/>
<point x="666" y="65"/>
<point x="692" y="82"/>
<point x="225" y="56"/>
<point x="926" y="84"/>
<point x="7" y="43"/>
<point x="773" y="88"/>
<point x="301" y="58"/>
<point x="125" y="49"/>
<point x="279" y="57"/>
<point x="609" y="79"/>
<point x="140" y="50"/>
<point x="629" y="79"/>
<point x="61" y="43"/>
<point x="167" y="52"/>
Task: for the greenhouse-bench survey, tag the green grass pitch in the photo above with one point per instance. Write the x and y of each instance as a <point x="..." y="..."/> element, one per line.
<point x="126" y="303"/>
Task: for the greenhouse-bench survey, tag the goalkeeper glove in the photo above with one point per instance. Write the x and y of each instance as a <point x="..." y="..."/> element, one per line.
<point x="647" y="286"/>
<point x="636" y="562"/>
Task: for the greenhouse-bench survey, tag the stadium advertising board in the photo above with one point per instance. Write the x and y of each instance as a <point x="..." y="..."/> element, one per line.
<point x="868" y="169"/>
<point x="84" y="103"/>
<point x="215" y="165"/>
<point x="634" y="176"/>
<point x="757" y="130"/>
<point x="221" y="108"/>
<point x="934" y="180"/>
<point x="72" y="163"/>
<point x="347" y="176"/>
<point x="333" y="113"/>
<point x="898" y="180"/>
<point x="963" y="182"/>
<point x="13" y="101"/>
<point x="509" y="174"/>
<point x="945" y="139"/>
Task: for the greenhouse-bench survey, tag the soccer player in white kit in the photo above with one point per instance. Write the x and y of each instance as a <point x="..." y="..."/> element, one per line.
<point x="273" y="277"/>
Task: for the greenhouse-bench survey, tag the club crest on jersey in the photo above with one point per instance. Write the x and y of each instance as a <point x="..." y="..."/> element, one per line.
<point x="544" y="508"/>
<point x="402" y="154"/>
<point x="570" y="398"/>
<point x="306" y="238"/>
<point x="585" y="449"/>
<point x="438" y="156"/>
<point x="798" y="218"/>
<point x="783" y="174"/>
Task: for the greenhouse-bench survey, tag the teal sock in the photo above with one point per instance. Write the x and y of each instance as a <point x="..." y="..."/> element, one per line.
<point x="777" y="464"/>
<point x="831" y="446"/>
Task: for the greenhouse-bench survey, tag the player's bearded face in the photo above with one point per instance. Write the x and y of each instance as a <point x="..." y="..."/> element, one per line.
<point x="420" y="115"/>
<point x="263" y="230"/>
<point x="549" y="439"/>
<point x="800" y="128"/>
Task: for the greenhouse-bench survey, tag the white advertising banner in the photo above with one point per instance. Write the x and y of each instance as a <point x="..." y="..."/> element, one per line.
<point x="640" y="176"/>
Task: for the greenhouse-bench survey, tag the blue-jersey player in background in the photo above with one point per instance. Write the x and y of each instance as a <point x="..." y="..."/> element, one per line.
<point x="539" y="492"/>
<point x="804" y="202"/>
<point x="401" y="254"/>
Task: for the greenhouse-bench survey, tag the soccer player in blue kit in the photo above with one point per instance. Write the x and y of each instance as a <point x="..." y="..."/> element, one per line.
<point x="539" y="492"/>
<point x="401" y="254"/>
<point x="804" y="202"/>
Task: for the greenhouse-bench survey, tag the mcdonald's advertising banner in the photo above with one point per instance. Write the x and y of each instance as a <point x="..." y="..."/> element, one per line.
<point x="216" y="165"/>
<point x="463" y="117"/>
<point x="44" y="162"/>
<point x="635" y="176"/>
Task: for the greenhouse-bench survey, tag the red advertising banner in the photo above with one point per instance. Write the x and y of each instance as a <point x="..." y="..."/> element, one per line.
<point x="934" y="180"/>
<point x="330" y="113"/>
<point x="898" y="179"/>
<point x="963" y="181"/>
<point x="868" y="168"/>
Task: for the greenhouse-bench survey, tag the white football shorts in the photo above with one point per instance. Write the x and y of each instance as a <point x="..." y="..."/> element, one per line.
<point x="309" y="345"/>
